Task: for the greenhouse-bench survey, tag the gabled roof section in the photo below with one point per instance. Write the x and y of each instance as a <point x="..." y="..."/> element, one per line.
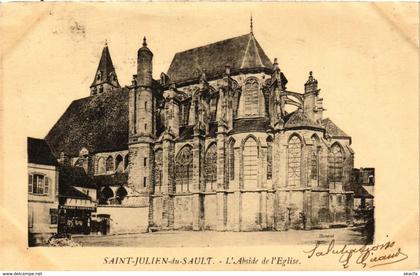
<point x="71" y="192"/>
<point x="240" y="53"/>
<point x="75" y="177"/>
<point x="106" y="71"/>
<point x="332" y="129"/>
<point x="360" y="191"/>
<point x="40" y="153"/>
<point x="298" y="119"/>
<point x="99" y="124"/>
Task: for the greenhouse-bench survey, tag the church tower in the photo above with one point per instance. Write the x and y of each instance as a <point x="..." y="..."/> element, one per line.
<point x="312" y="103"/>
<point x="142" y="104"/>
<point x="105" y="77"/>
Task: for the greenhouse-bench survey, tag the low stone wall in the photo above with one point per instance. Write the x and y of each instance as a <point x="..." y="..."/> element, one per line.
<point x="126" y="219"/>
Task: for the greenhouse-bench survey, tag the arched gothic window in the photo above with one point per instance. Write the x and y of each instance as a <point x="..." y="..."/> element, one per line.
<point x="335" y="164"/>
<point x="294" y="154"/>
<point x="158" y="170"/>
<point x="211" y="167"/>
<point x="231" y="160"/>
<point x="109" y="164"/>
<point x="250" y="163"/>
<point x="100" y="166"/>
<point x="251" y="97"/>
<point x="314" y="158"/>
<point x="183" y="169"/>
<point x="269" y="157"/>
<point x="119" y="163"/>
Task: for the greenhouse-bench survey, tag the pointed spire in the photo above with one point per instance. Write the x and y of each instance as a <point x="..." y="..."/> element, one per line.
<point x="251" y="25"/>
<point x="106" y="71"/>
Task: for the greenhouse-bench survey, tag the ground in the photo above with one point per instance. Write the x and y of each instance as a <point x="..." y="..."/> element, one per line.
<point x="349" y="235"/>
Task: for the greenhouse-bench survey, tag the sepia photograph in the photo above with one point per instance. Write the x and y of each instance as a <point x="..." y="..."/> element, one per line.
<point x="246" y="126"/>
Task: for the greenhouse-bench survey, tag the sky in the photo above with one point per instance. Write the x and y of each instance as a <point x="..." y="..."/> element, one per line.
<point x="364" y="57"/>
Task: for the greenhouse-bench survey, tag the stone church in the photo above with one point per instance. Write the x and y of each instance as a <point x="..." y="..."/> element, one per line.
<point x="218" y="142"/>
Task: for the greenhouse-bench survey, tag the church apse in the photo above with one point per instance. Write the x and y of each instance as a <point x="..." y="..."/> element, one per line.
<point x="218" y="142"/>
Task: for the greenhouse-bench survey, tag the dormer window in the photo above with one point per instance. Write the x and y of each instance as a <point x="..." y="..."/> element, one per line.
<point x="99" y="75"/>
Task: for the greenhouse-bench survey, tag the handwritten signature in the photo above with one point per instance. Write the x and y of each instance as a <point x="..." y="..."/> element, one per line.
<point x="366" y="255"/>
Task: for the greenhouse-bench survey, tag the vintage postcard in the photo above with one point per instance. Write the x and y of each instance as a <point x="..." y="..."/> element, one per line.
<point x="209" y="136"/>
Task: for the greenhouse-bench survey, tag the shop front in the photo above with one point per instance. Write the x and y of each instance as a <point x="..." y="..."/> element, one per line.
<point x="75" y="219"/>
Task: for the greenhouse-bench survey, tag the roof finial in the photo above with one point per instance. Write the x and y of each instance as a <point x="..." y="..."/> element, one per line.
<point x="144" y="42"/>
<point x="106" y="42"/>
<point x="252" y="26"/>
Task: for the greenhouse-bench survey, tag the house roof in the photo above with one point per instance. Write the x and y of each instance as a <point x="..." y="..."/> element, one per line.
<point x="240" y="53"/>
<point x="360" y="191"/>
<point x="332" y="129"/>
<point x="98" y="123"/>
<point x="71" y="192"/>
<point x="298" y="119"/>
<point x="40" y="153"/>
<point x="75" y="177"/>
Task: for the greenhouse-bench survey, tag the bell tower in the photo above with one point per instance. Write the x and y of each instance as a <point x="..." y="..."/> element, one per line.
<point x="142" y="105"/>
<point x="105" y="78"/>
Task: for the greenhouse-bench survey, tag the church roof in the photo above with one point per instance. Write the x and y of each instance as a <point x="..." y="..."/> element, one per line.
<point x="298" y="119"/>
<point x="260" y="124"/>
<point x="240" y="53"/>
<point x="332" y="129"/>
<point x="99" y="124"/>
<point x="117" y="179"/>
<point x="40" y="153"/>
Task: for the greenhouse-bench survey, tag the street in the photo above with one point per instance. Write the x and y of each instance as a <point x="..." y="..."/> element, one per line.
<point x="349" y="235"/>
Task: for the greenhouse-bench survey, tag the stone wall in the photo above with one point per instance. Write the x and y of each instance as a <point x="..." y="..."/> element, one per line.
<point x="183" y="212"/>
<point x="126" y="219"/>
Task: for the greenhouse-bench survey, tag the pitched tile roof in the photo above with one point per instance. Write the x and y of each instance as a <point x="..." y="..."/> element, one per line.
<point x="71" y="192"/>
<point x="298" y="119"/>
<point x="40" y="153"/>
<point x="98" y="123"/>
<point x="360" y="191"/>
<point x="250" y="124"/>
<point x="240" y="53"/>
<point x="332" y="129"/>
<point x="74" y="176"/>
